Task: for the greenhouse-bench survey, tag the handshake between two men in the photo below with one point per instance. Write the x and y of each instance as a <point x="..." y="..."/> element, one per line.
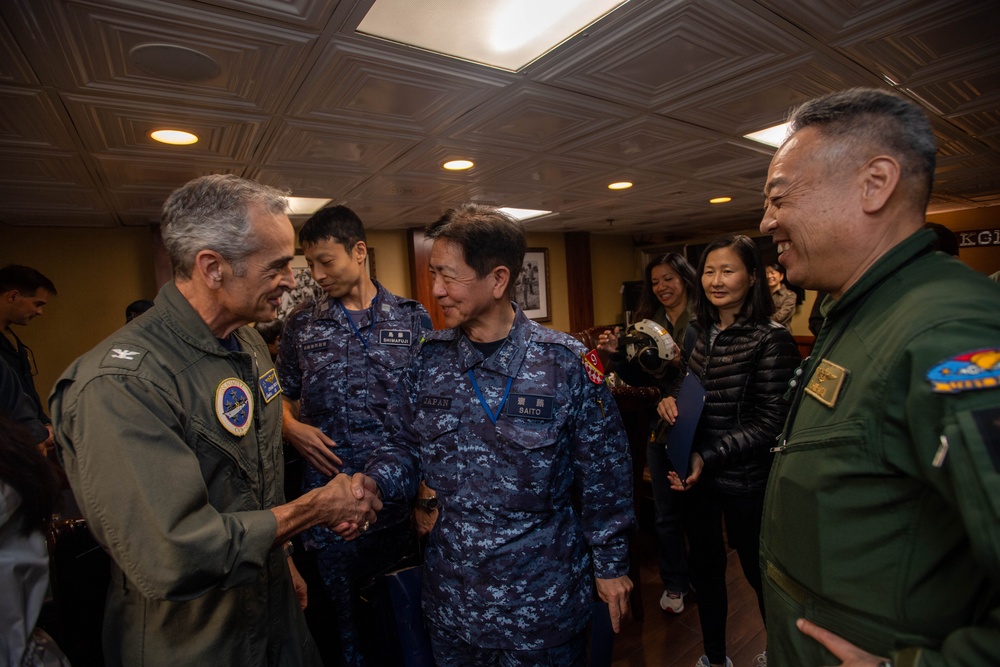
<point x="346" y="505"/>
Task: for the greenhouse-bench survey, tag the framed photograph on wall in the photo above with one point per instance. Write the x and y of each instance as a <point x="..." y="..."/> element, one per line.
<point x="531" y="291"/>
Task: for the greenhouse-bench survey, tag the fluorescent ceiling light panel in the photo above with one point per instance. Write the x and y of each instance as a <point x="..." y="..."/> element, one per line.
<point x="507" y="34"/>
<point x="772" y="136"/>
<point x="305" y="205"/>
<point x="523" y="214"/>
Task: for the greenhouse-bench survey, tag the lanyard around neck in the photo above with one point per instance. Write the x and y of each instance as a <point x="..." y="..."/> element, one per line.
<point x="354" y="327"/>
<point x="482" y="399"/>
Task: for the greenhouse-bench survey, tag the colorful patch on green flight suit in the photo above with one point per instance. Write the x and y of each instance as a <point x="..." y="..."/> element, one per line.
<point x="269" y="385"/>
<point x="979" y="369"/>
<point x="988" y="423"/>
<point x="826" y="382"/>
<point x="234" y="406"/>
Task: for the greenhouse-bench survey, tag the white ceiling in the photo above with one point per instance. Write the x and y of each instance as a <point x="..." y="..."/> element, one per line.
<point x="659" y="93"/>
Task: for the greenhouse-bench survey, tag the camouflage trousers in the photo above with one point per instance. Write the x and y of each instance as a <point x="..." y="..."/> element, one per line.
<point x="451" y="650"/>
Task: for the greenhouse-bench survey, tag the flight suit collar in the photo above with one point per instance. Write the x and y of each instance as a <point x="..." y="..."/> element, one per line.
<point x="886" y="266"/>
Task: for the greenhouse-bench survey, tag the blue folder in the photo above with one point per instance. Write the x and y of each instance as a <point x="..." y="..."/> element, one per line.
<point x="690" y="402"/>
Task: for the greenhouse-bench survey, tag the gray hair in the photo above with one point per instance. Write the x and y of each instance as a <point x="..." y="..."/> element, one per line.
<point x="869" y="117"/>
<point x="213" y="213"/>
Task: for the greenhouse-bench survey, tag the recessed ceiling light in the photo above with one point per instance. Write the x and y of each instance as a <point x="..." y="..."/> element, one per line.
<point x="507" y="34"/>
<point x="771" y="136"/>
<point x="720" y="200"/>
<point x="458" y="165"/>
<point x="620" y="185"/>
<point x="175" y="137"/>
<point x="523" y="214"/>
<point x="305" y="205"/>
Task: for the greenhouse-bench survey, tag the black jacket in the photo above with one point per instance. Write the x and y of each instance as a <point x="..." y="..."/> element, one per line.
<point x="745" y="375"/>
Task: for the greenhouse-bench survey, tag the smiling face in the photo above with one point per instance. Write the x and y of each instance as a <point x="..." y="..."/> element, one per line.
<point x="773" y="278"/>
<point x="726" y="281"/>
<point x="466" y="299"/>
<point x="256" y="295"/>
<point x="668" y="286"/>
<point x="335" y="269"/>
<point x="811" y="214"/>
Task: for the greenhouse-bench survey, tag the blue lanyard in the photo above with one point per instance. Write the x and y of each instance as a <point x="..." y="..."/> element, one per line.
<point x="354" y="327"/>
<point x="482" y="399"/>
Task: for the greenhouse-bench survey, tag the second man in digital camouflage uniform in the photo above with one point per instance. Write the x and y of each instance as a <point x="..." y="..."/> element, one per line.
<point x="340" y="358"/>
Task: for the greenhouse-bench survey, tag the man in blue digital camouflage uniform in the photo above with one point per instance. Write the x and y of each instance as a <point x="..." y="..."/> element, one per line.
<point x="528" y="457"/>
<point x="881" y="530"/>
<point x="339" y="360"/>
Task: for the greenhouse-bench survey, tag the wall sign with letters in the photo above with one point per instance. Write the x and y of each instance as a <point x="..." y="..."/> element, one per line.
<point x="974" y="238"/>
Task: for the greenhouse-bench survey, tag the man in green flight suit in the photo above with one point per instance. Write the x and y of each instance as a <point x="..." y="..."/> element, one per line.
<point x="881" y="534"/>
<point x="170" y="431"/>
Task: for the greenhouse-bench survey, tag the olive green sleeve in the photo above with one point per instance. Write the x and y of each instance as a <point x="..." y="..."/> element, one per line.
<point x="955" y="429"/>
<point x="140" y="487"/>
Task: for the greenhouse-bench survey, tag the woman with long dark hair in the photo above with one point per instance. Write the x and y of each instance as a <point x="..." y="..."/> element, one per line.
<point x="668" y="290"/>
<point x="744" y="362"/>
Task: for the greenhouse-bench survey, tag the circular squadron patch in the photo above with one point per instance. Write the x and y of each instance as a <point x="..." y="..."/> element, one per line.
<point x="234" y="406"/>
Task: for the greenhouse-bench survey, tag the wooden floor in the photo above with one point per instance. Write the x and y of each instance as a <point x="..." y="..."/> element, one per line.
<point x="663" y="639"/>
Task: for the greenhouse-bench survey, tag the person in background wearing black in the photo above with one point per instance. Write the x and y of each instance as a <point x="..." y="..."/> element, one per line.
<point x="137" y="308"/>
<point x="744" y="361"/>
<point x="24" y="292"/>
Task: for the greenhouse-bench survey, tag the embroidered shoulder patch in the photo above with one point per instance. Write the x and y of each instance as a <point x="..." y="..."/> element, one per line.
<point x="979" y="369"/>
<point x="123" y="355"/>
<point x="595" y="369"/>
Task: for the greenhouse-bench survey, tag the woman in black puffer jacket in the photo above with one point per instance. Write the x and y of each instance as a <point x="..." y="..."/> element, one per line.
<point x="744" y="361"/>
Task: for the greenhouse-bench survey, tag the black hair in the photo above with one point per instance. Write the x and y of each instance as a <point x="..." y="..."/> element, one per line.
<point x="800" y="294"/>
<point x="648" y="303"/>
<point x="24" y="279"/>
<point x="947" y="241"/>
<point x="270" y="331"/>
<point x="137" y="308"/>
<point x="337" y="223"/>
<point x="758" y="305"/>
<point x="487" y="236"/>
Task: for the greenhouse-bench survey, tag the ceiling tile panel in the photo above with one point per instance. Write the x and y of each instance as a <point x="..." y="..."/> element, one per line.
<point x="917" y="44"/>
<point x="123" y="171"/>
<point x="29" y="119"/>
<point x="534" y="118"/>
<point x="64" y="206"/>
<point x="44" y="168"/>
<point x="673" y="50"/>
<point x="300" y="145"/>
<point x="754" y="102"/>
<point x="356" y="83"/>
<point x="257" y="60"/>
<point x="310" y="182"/>
<point x="643" y="142"/>
<point x="118" y="126"/>
<point x="308" y="14"/>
